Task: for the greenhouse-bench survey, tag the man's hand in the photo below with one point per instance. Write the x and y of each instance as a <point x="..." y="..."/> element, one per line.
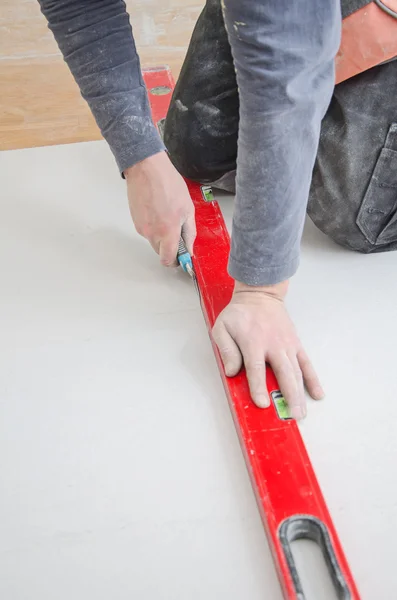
<point x="255" y="328"/>
<point x="160" y="206"/>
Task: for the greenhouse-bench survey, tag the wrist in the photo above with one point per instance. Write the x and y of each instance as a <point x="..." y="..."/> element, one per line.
<point x="277" y="291"/>
<point x="146" y="164"/>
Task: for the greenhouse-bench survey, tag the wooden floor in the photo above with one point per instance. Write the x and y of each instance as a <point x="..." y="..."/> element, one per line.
<point x="40" y="103"/>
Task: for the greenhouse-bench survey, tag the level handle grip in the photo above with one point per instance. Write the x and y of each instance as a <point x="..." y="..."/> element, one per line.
<point x="307" y="527"/>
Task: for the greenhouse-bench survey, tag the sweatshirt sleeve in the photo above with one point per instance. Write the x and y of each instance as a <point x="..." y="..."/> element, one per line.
<point x="96" y="40"/>
<point x="283" y="53"/>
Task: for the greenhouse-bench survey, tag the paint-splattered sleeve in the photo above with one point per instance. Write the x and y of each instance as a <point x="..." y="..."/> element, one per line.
<point x="283" y="53"/>
<point x="96" y="41"/>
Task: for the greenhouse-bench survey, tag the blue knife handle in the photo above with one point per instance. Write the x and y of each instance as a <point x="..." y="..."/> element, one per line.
<point x="183" y="256"/>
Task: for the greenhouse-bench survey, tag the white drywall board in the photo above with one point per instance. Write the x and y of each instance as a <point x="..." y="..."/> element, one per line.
<point x="121" y="473"/>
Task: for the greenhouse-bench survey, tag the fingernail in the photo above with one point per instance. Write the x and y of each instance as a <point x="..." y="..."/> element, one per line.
<point x="228" y="370"/>
<point x="318" y="393"/>
<point x="262" y="401"/>
<point x="298" y="412"/>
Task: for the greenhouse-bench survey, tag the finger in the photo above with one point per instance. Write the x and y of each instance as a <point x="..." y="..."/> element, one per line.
<point x="289" y="387"/>
<point x="228" y="349"/>
<point x="189" y="233"/>
<point x="168" y="248"/>
<point x="297" y="372"/>
<point x="310" y="378"/>
<point x="155" y="246"/>
<point x="299" y="381"/>
<point x="255" y="366"/>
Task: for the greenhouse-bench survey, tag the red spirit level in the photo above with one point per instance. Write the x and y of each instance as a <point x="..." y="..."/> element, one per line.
<point x="288" y="494"/>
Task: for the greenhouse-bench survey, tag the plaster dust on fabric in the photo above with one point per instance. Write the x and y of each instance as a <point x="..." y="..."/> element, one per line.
<point x="122" y="475"/>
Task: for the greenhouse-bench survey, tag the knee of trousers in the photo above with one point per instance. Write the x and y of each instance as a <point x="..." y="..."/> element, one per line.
<point x="183" y="144"/>
<point x="353" y="196"/>
<point x="200" y="149"/>
<point x="336" y="219"/>
<point x="361" y="219"/>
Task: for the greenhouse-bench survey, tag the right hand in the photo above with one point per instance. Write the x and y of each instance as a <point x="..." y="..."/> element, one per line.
<point x="255" y="328"/>
<point x="160" y="206"/>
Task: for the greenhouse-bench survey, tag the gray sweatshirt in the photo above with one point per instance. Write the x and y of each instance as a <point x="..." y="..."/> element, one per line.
<point x="283" y="52"/>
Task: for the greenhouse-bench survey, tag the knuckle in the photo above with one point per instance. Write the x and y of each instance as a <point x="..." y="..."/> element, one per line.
<point x="297" y="371"/>
<point x="280" y="360"/>
<point x="298" y="375"/>
<point x="255" y="365"/>
<point x="226" y="351"/>
<point x="162" y="228"/>
<point x="148" y="231"/>
<point x="140" y="229"/>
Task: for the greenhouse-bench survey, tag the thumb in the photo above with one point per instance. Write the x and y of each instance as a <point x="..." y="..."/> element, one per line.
<point x="189" y="232"/>
<point x="168" y="248"/>
<point x="228" y="349"/>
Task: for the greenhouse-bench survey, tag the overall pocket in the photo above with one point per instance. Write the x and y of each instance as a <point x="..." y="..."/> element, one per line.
<point x="377" y="217"/>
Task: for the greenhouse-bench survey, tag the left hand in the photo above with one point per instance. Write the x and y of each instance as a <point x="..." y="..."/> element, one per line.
<point x="160" y="206"/>
<point x="255" y="328"/>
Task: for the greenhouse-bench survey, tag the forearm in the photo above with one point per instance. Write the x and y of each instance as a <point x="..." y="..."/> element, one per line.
<point x="96" y="41"/>
<point x="284" y="54"/>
